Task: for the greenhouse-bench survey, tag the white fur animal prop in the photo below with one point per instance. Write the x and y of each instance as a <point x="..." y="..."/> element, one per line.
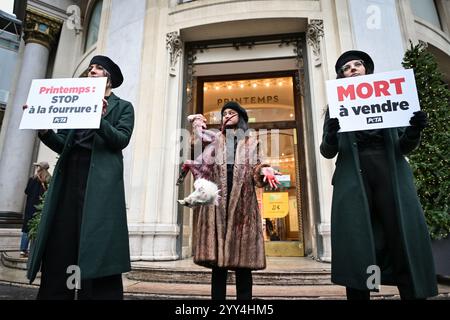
<point x="206" y="193"/>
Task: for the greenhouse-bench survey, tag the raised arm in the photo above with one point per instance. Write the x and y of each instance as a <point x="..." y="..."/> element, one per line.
<point x="199" y="129"/>
<point x="118" y="135"/>
<point x="329" y="144"/>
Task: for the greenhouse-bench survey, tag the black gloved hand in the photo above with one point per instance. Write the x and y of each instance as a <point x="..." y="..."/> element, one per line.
<point x="332" y="126"/>
<point x="418" y="122"/>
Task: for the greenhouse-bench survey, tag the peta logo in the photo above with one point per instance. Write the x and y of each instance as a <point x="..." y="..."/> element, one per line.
<point x="373" y="120"/>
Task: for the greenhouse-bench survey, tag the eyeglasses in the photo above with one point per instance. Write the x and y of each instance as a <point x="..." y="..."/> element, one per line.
<point x="231" y="113"/>
<point x="357" y="64"/>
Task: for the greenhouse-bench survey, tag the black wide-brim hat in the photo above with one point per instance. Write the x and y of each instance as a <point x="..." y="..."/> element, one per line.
<point x="111" y="67"/>
<point x="355" y="55"/>
<point x="236" y="107"/>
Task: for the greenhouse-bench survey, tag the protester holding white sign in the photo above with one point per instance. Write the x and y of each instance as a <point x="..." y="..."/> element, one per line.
<point x="84" y="223"/>
<point x="377" y="222"/>
<point x="74" y="103"/>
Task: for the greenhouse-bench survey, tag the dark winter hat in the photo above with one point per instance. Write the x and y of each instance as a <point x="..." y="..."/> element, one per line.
<point x="111" y="67"/>
<point x="236" y="107"/>
<point x="355" y="55"/>
<point x="42" y="164"/>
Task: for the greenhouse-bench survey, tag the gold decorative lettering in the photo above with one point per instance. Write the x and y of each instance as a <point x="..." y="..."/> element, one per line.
<point x="253" y="100"/>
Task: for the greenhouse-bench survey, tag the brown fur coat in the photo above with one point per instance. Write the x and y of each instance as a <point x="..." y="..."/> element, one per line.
<point x="232" y="239"/>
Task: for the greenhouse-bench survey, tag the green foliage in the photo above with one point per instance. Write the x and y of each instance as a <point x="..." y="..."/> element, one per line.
<point x="33" y="224"/>
<point x="431" y="161"/>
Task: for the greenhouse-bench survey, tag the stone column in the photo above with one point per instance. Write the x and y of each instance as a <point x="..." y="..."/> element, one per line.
<point x="40" y="34"/>
<point x="314" y="35"/>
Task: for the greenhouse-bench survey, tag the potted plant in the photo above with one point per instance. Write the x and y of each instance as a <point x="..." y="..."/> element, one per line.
<point x="431" y="161"/>
<point x="33" y="224"/>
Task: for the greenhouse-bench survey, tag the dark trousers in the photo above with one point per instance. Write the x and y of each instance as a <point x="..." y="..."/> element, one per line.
<point x="378" y="187"/>
<point x="355" y="294"/>
<point x="104" y="288"/>
<point x="244" y="283"/>
<point x="64" y="237"/>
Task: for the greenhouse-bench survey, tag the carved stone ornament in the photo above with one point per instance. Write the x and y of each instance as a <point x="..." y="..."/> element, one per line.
<point x="175" y="47"/>
<point x="41" y="28"/>
<point x="191" y="57"/>
<point x="314" y="32"/>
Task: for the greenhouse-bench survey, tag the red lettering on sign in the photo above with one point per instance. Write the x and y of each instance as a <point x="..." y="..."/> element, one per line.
<point x="343" y="92"/>
<point x="366" y="90"/>
<point x="381" y="88"/>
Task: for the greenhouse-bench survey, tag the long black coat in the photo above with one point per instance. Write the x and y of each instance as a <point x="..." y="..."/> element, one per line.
<point x="34" y="190"/>
<point x="352" y="238"/>
<point x="104" y="243"/>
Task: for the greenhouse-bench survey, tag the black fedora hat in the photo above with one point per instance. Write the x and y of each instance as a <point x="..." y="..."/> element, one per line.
<point x="111" y="67"/>
<point x="355" y="55"/>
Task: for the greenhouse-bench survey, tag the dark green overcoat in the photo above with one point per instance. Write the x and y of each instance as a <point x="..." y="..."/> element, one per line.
<point x="353" y="239"/>
<point x="104" y="244"/>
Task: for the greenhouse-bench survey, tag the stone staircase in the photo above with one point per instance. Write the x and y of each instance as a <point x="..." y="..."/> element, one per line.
<point x="11" y="259"/>
<point x="283" y="279"/>
<point x="279" y="272"/>
<point x="10" y="220"/>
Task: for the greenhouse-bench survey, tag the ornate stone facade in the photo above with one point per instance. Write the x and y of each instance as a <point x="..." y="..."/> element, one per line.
<point x="175" y="47"/>
<point x="314" y="32"/>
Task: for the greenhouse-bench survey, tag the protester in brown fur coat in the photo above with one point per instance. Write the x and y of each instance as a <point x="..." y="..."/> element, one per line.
<point x="230" y="236"/>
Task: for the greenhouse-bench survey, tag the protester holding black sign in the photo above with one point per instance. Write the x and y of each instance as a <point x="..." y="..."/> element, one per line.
<point x="83" y="232"/>
<point x="378" y="230"/>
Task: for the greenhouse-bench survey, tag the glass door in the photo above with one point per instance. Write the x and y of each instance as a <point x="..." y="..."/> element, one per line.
<point x="279" y="208"/>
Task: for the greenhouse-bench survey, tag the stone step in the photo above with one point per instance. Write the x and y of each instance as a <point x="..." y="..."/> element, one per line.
<point x="10" y="220"/>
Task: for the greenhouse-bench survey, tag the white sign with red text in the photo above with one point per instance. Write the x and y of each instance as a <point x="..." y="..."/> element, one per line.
<point x="69" y="103"/>
<point x="382" y="100"/>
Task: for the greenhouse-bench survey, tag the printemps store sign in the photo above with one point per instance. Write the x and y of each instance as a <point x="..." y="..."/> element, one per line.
<point x="266" y="100"/>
